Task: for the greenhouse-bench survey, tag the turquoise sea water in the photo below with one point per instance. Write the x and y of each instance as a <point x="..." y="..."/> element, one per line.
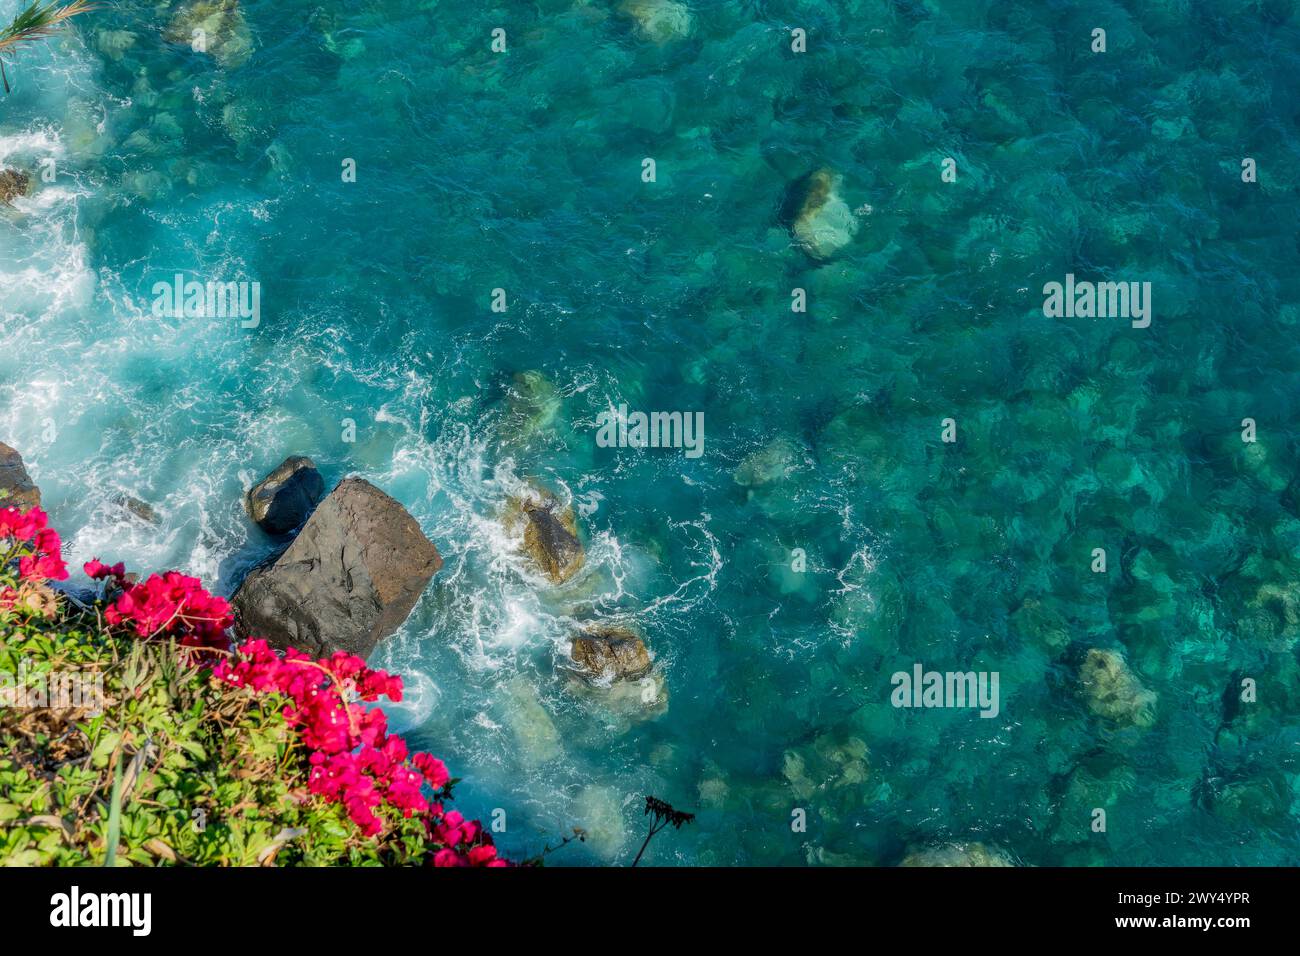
<point x="522" y="171"/>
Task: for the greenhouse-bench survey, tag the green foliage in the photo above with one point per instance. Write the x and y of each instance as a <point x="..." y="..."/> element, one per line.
<point x="36" y="22"/>
<point x="203" y="773"/>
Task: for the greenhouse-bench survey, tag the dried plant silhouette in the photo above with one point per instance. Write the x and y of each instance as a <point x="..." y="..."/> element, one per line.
<point x="661" y="814"/>
<point x="36" y="23"/>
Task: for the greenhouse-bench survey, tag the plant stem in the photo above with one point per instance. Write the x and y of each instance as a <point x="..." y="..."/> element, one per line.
<point x="652" y="832"/>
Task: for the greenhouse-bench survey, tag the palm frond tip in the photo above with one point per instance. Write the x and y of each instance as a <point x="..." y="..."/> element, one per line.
<point x="37" y="22"/>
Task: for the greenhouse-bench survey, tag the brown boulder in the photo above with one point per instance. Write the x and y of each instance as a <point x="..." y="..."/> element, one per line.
<point x="348" y="580"/>
<point x="13" y="183"/>
<point x="606" y="653"/>
<point x="550" y="533"/>
<point x="16" y="487"/>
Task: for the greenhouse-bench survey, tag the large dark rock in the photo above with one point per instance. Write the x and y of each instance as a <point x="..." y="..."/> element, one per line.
<point x="283" y="499"/>
<point x="348" y="580"/>
<point x="16" y="487"/>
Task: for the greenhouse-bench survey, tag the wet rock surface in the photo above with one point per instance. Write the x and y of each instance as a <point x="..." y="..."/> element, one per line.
<point x="348" y="580"/>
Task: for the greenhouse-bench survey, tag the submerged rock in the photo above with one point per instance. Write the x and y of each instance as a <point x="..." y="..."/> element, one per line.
<point x="1263" y="801"/>
<point x="16" y="487"/>
<point x="605" y="653"/>
<point x="599" y="811"/>
<point x="1041" y="623"/>
<point x="1272" y="618"/>
<point x="821" y="222"/>
<point x="828" y="764"/>
<point x="536" y="738"/>
<point x="550" y="533"/>
<point x="1113" y="691"/>
<point x="957" y="854"/>
<point x="659" y="20"/>
<point x="771" y="463"/>
<point x="348" y="580"/>
<point x="214" y="27"/>
<point x="114" y="43"/>
<point x="532" y="403"/>
<point x="283" y="499"/>
<point x="14" y="183"/>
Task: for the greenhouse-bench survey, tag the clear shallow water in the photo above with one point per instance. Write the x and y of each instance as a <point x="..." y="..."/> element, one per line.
<point x="521" y="171"/>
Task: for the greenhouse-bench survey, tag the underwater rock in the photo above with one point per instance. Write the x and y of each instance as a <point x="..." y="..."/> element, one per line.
<point x="659" y="20"/>
<point x="533" y="400"/>
<point x="820" y="856"/>
<point x="13" y="184"/>
<point x="550" y="537"/>
<point x="957" y="854"/>
<point x="605" y="653"/>
<point x="713" y="788"/>
<point x="820" y="220"/>
<point x="1100" y="780"/>
<point x="281" y="160"/>
<point x="617" y="706"/>
<point x="283" y="499"/>
<point x="774" y="461"/>
<point x="599" y="812"/>
<point x="1256" y="802"/>
<point x="348" y="580"/>
<point x="828" y="764"/>
<point x="136" y="508"/>
<point x="114" y="43"/>
<point x="537" y="741"/>
<point x="1042" y="623"/>
<point x="1272" y="618"/>
<point x="1113" y="691"/>
<point x="148" y="184"/>
<point x="215" y="27"/>
<point x="16" y="487"/>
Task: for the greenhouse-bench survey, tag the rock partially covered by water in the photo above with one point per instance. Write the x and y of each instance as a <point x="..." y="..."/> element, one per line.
<point x="215" y="27"/>
<point x="957" y="854"/>
<point x="820" y="220"/>
<point x="133" y="506"/>
<point x="348" y="580"/>
<point x="1113" y="691"/>
<point x="13" y="184"/>
<point x="283" y="499"/>
<point x="608" y="653"/>
<point x="16" y="487"/>
<point x="550" y="533"/>
<point x="659" y="20"/>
